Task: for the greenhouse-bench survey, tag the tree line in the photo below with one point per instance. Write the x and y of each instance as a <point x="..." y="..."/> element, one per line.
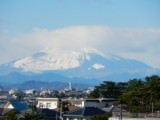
<point x="136" y="95"/>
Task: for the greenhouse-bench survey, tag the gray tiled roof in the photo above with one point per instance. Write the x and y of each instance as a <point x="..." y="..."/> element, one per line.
<point x="86" y="111"/>
<point x="113" y="109"/>
<point x="50" y="114"/>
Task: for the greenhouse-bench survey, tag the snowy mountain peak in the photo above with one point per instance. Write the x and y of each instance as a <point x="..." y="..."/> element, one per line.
<point x="55" y="59"/>
<point x="82" y="63"/>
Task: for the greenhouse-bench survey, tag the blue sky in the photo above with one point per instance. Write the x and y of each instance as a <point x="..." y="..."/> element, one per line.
<point x="22" y="21"/>
<point x="23" y="15"/>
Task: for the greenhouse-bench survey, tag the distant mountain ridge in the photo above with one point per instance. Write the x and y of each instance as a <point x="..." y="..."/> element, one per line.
<point x="38" y="85"/>
<point x="78" y="66"/>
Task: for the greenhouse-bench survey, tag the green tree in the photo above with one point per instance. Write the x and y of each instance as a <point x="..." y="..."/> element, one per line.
<point x="32" y="116"/>
<point x="12" y="115"/>
<point x="139" y="95"/>
<point x="101" y="117"/>
<point x="135" y="95"/>
<point x="142" y="95"/>
<point x="63" y="106"/>
<point x="153" y="88"/>
<point x="108" y="89"/>
<point x="96" y="93"/>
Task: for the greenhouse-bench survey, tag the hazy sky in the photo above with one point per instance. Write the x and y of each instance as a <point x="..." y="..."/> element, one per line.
<point x="129" y="28"/>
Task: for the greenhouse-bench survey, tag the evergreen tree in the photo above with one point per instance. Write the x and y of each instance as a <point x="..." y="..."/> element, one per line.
<point x="139" y="95"/>
<point x="12" y="115"/>
<point x="101" y="117"/>
<point x="108" y="89"/>
<point x="32" y="116"/>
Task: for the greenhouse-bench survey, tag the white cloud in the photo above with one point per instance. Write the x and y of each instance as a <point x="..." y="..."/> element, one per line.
<point x="141" y="44"/>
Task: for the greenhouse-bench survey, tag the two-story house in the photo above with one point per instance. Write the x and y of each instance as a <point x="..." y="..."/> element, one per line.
<point x="50" y="103"/>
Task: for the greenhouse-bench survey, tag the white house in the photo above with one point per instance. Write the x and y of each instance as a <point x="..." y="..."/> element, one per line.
<point x="12" y="91"/>
<point x="99" y="103"/>
<point x="77" y="102"/>
<point x="30" y="92"/>
<point x="50" y="103"/>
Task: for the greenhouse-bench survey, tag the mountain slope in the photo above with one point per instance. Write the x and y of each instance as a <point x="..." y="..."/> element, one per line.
<point x="84" y="65"/>
<point x="51" y="59"/>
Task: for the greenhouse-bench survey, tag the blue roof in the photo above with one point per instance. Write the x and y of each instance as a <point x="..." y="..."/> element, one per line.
<point x="86" y="111"/>
<point x="19" y="105"/>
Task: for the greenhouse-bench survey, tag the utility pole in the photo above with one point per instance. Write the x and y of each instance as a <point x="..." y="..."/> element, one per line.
<point x="61" y="110"/>
<point x="120" y="111"/>
<point x="56" y="115"/>
<point x="152" y="107"/>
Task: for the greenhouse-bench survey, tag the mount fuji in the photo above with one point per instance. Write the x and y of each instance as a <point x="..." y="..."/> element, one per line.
<point x="81" y="66"/>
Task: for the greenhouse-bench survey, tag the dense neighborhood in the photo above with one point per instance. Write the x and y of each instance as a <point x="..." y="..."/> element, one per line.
<point x="135" y="99"/>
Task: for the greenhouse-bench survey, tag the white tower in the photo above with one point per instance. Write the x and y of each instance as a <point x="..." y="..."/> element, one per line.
<point x="70" y="86"/>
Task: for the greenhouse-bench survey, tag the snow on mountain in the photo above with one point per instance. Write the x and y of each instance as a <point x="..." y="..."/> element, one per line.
<point x="74" y="65"/>
<point x="98" y="66"/>
<point x="51" y="59"/>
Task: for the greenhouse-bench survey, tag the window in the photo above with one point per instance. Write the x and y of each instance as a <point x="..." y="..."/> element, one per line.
<point x="41" y="105"/>
<point x="48" y="105"/>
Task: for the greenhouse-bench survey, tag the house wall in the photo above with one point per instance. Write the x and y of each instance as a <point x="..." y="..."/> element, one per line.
<point x="78" y="103"/>
<point x="47" y="103"/>
<point x="90" y="103"/>
<point x="81" y="104"/>
<point x="10" y="106"/>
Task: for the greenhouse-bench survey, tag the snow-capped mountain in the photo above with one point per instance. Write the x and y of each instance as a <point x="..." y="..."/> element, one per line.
<point x="53" y="59"/>
<point x="77" y="65"/>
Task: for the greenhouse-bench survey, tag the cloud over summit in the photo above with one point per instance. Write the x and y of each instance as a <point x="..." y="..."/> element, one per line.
<point x="140" y="44"/>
